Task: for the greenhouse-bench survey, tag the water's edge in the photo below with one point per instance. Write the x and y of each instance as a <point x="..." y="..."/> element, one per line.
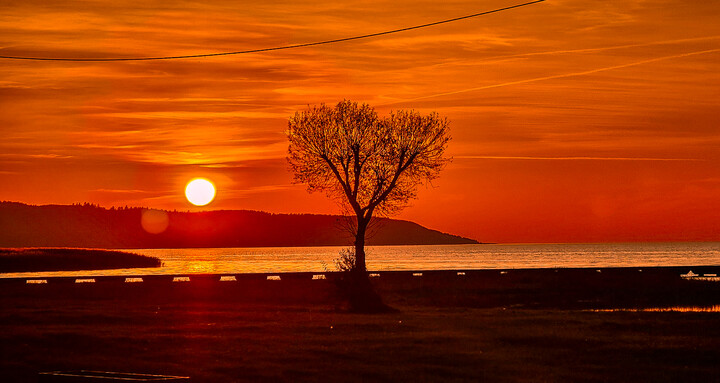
<point x="415" y="257"/>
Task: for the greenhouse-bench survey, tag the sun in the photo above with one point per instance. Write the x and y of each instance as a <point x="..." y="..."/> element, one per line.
<point x="200" y="192"/>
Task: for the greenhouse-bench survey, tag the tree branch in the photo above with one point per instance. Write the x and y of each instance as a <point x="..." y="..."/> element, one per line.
<point x="346" y="189"/>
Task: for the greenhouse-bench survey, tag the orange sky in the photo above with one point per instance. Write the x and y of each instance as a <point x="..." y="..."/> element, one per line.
<point x="573" y="121"/>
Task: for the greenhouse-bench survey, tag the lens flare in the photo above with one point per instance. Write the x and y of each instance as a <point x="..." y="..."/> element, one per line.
<point x="154" y="221"/>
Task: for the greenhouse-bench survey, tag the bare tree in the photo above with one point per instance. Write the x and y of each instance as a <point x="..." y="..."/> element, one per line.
<point x="371" y="165"/>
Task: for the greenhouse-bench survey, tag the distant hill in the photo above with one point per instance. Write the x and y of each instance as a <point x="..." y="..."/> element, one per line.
<point x="87" y="225"/>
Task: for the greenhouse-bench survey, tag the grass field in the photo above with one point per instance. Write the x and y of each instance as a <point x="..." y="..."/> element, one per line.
<point x="223" y="343"/>
<point x="298" y="331"/>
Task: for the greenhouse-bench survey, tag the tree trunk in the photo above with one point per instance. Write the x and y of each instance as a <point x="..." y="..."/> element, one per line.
<point x="356" y="285"/>
<point x="362" y="225"/>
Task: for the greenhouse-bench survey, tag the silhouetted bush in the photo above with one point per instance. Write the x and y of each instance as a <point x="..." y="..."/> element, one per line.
<point x="355" y="287"/>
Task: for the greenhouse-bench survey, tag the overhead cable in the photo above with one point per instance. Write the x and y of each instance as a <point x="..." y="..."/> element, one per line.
<point x="293" y="46"/>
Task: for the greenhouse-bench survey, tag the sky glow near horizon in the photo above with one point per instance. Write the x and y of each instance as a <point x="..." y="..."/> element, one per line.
<point x="572" y="121"/>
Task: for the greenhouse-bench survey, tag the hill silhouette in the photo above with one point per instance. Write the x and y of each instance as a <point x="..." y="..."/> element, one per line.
<point x="87" y="225"/>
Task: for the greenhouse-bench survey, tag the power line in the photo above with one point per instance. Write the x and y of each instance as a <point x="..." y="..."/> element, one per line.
<point x="274" y="48"/>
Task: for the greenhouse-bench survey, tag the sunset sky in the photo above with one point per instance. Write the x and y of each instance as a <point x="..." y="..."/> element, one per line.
<point x="572" y="121"/>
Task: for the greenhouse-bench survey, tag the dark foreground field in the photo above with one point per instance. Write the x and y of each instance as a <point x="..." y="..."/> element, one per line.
<point x="488" y="327"/>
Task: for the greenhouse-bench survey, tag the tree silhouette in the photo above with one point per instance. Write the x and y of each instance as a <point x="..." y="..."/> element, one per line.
<point x="370" y="165"/>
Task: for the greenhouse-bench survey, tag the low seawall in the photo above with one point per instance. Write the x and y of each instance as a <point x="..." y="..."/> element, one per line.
<point x="537" y="288"/>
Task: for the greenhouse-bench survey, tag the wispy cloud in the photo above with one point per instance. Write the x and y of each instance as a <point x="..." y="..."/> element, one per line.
<point x="25" y="156"/>
<point x="549" y="92"/>
<point x="558" y="76"/>
<point x="120" y="191"/>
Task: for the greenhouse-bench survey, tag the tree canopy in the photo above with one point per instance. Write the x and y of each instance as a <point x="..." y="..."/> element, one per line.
<point x="371" y="165"/>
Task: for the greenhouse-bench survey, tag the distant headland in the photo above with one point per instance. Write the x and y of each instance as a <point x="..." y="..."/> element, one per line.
<point x="87" y="225"/>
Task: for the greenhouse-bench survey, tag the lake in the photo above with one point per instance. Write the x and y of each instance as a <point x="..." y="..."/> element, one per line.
<point x="421" y="257"/>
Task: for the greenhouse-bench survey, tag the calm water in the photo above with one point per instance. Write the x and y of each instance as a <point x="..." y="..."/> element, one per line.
<point x="281" y="259"/>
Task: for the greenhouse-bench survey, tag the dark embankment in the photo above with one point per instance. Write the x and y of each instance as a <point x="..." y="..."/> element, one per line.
<point x="92" y="226"/>
<point x="522" y="326"/>
<point x="48" y="259"/>
<point x="530" y="288"/>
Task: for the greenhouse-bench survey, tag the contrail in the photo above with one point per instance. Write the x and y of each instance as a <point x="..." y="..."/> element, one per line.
<point x="606" y="48"/>
<point x="573" y="158"/>
<point x="555" y="76"/>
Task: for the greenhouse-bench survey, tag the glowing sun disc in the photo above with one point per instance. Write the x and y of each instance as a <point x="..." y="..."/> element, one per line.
<point x="200" y="192"/>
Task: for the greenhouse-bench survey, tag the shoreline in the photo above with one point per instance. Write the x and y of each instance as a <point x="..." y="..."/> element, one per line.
<point x="55" y="259"/>
<point x="100" y="274"/>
